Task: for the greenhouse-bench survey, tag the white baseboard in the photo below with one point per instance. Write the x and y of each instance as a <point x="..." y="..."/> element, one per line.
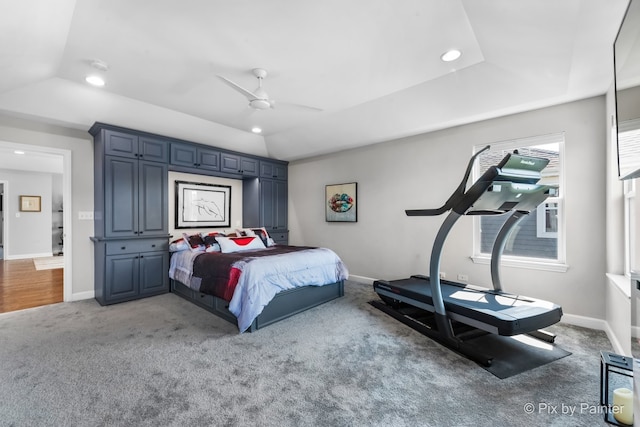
<point x="26" y="256"/>
<point x="615" y="343"/>
<point x="585" y="322"/>
<point x="362" y="279"/>
<point x="79" y="296"/>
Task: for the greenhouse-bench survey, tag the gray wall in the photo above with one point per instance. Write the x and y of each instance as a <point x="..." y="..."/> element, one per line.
<point x="422" y="171"/>
<point x="29" y="233"/>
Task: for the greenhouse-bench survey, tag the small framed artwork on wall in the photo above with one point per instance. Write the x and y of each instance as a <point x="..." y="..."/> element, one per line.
<point x="30" y="203"/>
<point x="341" y="202"/>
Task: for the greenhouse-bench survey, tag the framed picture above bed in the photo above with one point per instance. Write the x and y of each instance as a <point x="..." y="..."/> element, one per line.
<point x="340" y="202"/>
<point x="200" y="205"/>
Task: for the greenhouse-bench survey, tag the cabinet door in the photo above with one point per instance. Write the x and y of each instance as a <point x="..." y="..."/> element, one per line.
<point x="121" y="281"/>
<point x="280" y="205"/>
<point x="184" y="155"/>
<point x="153" y="272"/>
<point x="229" y="163"/>
<point x="120" y="144"/>
<point x="121" y="197"/>
<point x="232" y="163"/>
<point x="152" y="199"/>
<point x="273" y="204"/>
<point x="248" y="166"/>
<point x="153" y="150"/>
<point x="271" y="170"/>
<point x="267" y="198"/>
<point x="208" y="159"/>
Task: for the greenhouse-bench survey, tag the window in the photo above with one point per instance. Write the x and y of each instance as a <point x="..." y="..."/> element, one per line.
<point x="628" y="143"/>
<point x="629" y="225"/>
<point x="537" y="241"/>
<point x="547" y="220"/>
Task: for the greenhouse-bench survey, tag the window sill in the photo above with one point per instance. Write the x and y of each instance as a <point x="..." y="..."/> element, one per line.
<point x="622" y="282"/>
<point x="533" y="265"/>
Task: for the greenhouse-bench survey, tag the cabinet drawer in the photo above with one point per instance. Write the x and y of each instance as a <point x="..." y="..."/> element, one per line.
<point x="133" y="246"/>
<point x="179" y="288"/>
<point x="281" y="237"/>
<point x="204" y="299"/>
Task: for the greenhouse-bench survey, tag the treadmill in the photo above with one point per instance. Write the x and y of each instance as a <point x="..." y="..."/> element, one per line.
<point x="454" y="313"/>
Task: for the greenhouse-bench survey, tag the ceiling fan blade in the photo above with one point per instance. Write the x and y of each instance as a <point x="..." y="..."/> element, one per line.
<point x="250" y="95"/>
<point x="296" y="106"/>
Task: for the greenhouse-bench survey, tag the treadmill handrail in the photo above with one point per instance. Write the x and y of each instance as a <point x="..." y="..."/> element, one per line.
<point x="451" y="201"/>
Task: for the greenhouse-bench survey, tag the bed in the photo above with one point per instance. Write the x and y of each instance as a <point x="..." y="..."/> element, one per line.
<point x="253" y="284"/>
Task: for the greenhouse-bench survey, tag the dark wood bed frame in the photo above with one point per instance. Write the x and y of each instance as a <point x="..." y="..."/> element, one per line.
<point x="284" y="304"/>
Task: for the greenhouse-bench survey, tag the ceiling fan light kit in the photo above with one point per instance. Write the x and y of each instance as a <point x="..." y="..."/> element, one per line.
<point x="260" y="104"/>
<point x="258" y="98"/>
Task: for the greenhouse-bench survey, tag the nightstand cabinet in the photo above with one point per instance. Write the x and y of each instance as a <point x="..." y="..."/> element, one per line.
<point x="130" y="269"/>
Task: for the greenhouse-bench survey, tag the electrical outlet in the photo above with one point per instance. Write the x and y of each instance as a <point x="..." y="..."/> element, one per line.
<point x="443" y="274"/>
<point x="463" y="277"/>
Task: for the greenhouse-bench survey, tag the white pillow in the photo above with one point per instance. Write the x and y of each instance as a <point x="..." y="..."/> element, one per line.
<point x="236" y="244"/>
<point x="178" y="245"/>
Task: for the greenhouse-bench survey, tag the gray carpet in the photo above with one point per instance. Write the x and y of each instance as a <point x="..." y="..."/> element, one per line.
<point x="162" y="361"/>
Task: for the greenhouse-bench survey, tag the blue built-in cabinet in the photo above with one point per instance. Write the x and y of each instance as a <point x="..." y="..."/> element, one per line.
<point x="131" y="204"/>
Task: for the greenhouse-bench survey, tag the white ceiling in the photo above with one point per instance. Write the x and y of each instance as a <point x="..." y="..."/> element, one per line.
<point x="372" y="66"/>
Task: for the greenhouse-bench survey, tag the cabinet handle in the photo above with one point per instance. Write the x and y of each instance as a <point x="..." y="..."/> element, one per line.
<point x="153" y="246"/>
<point x="123" y="248"/>
<point x="140" y="232"/>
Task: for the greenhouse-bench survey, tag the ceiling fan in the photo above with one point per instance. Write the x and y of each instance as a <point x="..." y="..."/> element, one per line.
<point x="258" y="98"/>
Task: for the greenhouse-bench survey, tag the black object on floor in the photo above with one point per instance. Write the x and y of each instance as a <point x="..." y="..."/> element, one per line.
<point x="503" y="356"/>
<point x="517" y="354"/>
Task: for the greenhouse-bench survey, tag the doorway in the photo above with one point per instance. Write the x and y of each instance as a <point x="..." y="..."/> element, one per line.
<point x="2" y="232"/>
<point x="64" y="218"/>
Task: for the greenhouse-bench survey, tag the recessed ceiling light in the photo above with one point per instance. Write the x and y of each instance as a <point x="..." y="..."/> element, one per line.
<point x="18" y="152"/>
<point x="95" y="80"/>
<point x="451" y="55"/>
<point x="256" y="129"/>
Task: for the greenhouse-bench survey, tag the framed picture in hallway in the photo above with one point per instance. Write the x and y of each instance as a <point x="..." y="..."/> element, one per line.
<point x="340" y="202"/>
<point x="30" y="203"/>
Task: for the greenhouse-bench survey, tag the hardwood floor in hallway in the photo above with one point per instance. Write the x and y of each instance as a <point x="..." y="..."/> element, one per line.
<point x="22" y="286"/>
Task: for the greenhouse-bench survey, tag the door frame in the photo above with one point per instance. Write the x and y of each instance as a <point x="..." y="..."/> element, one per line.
<point x="67" y="293"/>
<point x="5" y="226"/>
